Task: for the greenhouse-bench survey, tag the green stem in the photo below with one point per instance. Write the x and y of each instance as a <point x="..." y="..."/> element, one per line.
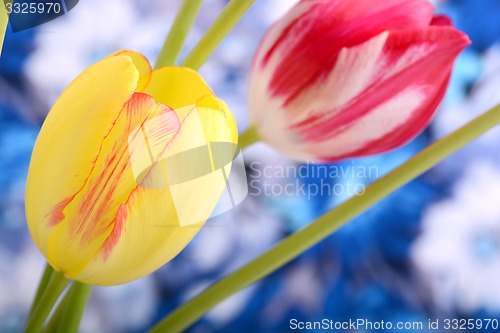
<point x="47" y="273"/>
<point x="54" y="288"/>
<point x="178" y="32"/>
<point x="226" y="21"/>
<point x="248" y="137"/>
<point x="294" y="245"/>
<point x="67" y="317"/>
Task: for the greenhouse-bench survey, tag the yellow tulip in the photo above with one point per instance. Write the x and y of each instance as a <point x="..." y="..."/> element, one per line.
<point x="101" y="203"/>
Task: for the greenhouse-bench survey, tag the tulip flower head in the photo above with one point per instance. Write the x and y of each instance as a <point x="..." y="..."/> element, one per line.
<point x="100" y="199"/>
<point x="337" y="79"/>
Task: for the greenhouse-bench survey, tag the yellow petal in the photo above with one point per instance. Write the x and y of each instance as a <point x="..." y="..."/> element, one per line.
<point x="141" y="63"/>
<point x="215" y="115"/>
<point x="149" y="231"/>
<point x="70" y="140"/>
<point x="177" y="87"/>
<point x="92" y="214"/>
<point x="197" y="161"/>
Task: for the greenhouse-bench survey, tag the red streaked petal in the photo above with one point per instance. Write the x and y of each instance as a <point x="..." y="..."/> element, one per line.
<point x="441" y="20"/>
<point x="415" y="64"/>
<point x="91" y="216"/>
<point x="69" y="141"/>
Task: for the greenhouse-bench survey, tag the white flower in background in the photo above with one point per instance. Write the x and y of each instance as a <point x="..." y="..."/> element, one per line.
<point x="275" y="9"/>
<point x="302" y="289"/>
<point x="123" y="308"/>
<point x="458" y="252"/>
<point x="17" y="288"/>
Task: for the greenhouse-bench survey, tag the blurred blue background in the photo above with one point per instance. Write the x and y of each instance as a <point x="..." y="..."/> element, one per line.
<point x="429" y="251"/>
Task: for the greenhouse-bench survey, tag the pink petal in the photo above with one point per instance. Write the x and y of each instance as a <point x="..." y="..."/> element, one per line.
<point x="404" y="89"/>
<point x="440" y="20"/>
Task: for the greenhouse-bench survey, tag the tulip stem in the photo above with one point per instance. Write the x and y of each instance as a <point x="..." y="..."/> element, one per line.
<point x="47" y="273"/>
<point x="294" y="245"/>
<point x="67" y="317"/>
<point x="54" y="288"/>
<point x="226" y="21"/>
<point x="248" y="137"/>
<point x="177" y="35"/>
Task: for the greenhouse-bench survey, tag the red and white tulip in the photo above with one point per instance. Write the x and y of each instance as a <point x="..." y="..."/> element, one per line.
<point x="336" y="79"/>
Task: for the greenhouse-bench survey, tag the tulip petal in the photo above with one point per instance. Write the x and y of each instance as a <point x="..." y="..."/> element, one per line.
<point x="397" y="97"/>
<point x="148" y="225"/>
<point x="177" y="87"/>
<point x="70" y="140"/>
<point x="91" y="214"/>
<point x="141" y="63"/>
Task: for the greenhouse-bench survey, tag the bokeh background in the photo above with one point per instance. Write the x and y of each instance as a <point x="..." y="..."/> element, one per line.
<point x="430" y="250"/>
